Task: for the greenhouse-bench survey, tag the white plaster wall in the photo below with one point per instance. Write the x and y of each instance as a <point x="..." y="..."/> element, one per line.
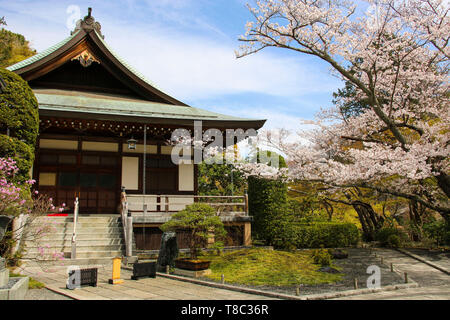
<point x="151" y="149"/>
<point x="58" y="144"/>
<point x="100" y="146"/>
<point x="130" y="173"/>
<point x="186" y="177"/>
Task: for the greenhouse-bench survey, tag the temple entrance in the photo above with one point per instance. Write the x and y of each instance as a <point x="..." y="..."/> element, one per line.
<point x="92" y="176"/>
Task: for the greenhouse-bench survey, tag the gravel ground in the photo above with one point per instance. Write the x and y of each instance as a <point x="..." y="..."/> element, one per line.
<point x="11" y="283"/>
<point x="355" y="266"/>
<point x="440" y="257"/>
<point x="44" y="294"/>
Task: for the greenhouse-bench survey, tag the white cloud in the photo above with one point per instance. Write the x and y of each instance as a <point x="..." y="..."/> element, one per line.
<point x="187" y="57"/>
<point x="190" y="66"/>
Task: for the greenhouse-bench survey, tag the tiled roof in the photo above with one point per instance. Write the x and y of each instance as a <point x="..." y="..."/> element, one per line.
<point x="40" y="55"/>
<point x="75" y="101"/>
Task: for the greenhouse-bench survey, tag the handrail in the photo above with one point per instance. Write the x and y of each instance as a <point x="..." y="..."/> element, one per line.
<point x="74" y="234"/>
<point x="127" y="224"/>
<point x="165" y="201"/>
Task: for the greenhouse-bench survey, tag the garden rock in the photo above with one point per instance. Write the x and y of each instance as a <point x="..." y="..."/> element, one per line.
<point x="328" y="270"/>
<point x="339" y="254"/>
<point x="168" y="251"/>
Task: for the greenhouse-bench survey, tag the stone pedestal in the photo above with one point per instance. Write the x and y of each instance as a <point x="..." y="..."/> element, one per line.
<point x="192" y="274"/>
<point x="4" y="273"/>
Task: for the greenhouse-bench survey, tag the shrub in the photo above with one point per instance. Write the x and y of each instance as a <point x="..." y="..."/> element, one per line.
<point x="321" y="257"/>
<point x="438" y="231"/>
<point x="202" y="222"/>
<point x="386" y="237"/>
<point x="18" y="115"/>
<point x="393" y="241"/>
<point x="268" y="207"/>
<point x="318" y="234"/>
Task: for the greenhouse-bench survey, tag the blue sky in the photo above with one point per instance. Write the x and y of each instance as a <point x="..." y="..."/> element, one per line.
<point x="186" y="47"/>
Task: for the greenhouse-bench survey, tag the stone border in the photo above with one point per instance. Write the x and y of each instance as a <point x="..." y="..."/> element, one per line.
<point x="18" y="290"/>
<point x="320" y="296"/>
<point x="419" y="258"/>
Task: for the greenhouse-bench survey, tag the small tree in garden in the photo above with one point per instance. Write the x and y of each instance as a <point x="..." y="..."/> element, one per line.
<point x="202" y="223"/>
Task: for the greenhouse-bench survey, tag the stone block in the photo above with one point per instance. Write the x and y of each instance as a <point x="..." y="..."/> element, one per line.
<point x="18" y="291"/>
<point x="4" y="277"/>
<point x="192" y="274"/>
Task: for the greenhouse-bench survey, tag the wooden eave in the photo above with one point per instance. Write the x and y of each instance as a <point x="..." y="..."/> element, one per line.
<point x="91" y="41"/>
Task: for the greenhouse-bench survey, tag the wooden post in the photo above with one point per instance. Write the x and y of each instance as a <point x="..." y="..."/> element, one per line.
<point x="381" y="260"/>
<point x="73" y="254"/>
<point x="167" y="269"/>
<point x="297" y="291"/>
<point x="355" y="283"/>
<point x="246" y="203"/>
<point x="222" y="278"/>
<point x="167" y="203"/>
<point x="406" y="277"/>
<point x="392" y="267"/>
<point x="129" y="238"/>
<point x="116" y="271"/>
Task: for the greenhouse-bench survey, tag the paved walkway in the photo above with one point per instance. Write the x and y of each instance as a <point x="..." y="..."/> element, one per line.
<point x="158" y="288"/>
<point x="433" y="284"/>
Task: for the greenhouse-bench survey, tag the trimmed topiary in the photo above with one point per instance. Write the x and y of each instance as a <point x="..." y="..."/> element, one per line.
<point x="19" y="116"/>
<point x="267" y="200"/>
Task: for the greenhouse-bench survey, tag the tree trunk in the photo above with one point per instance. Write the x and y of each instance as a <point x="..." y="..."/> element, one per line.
<point x="371" y="222"/>
<point x="416" y="212"/>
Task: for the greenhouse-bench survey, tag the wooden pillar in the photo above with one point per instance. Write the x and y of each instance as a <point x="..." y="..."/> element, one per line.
<point x="247" y="234"/>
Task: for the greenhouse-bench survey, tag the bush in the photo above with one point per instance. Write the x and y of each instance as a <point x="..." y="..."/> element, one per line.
<point x="321" y="257"/>
<point x="318" y="234"/>
<point x="268" y="207"/>
<point x="393" y="241"/>
<point x="202" y="222"/>
<point x="18" y="113"/>
<point x="390" y="237"/>
<point x="438" y="231"/>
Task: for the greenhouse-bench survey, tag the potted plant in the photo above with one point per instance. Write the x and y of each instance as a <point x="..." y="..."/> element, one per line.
<point x="202" y="224"/>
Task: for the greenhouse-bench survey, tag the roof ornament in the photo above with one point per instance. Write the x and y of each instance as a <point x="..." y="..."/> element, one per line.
<point x="86" y="58"/>
<point x="88" y="24"/>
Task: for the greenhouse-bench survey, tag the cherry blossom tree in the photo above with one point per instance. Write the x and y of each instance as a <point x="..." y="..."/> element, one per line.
<point x="396" y="57"/>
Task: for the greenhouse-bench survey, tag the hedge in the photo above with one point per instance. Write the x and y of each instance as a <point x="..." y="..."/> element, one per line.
<point x="318" y="234"/>
<point x="267" y="201"/>
<point x="18" y="113"/>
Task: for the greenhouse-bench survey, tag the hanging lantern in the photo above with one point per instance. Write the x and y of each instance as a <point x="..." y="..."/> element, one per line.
<point x="132" y="143"/>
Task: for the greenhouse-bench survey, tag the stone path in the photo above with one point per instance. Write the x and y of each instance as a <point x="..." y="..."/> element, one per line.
<point x="433" y="284"/>
<point x="158" y="288"/>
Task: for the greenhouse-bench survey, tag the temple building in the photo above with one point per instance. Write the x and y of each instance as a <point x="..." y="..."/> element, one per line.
<point x="94" y="109"/>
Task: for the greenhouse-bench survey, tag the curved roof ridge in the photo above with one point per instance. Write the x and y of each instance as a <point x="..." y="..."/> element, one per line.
<point x="41" y="55"/>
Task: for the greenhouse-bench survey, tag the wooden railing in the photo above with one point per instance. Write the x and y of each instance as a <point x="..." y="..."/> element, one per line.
<point x="174" y="203"/>
<point x="127" y="224"/>
<point x="73" y="254"/>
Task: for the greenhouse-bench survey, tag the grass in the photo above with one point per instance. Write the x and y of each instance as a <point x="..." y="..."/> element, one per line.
<point x="32" y="283"/>
<point x="263" y="267"/>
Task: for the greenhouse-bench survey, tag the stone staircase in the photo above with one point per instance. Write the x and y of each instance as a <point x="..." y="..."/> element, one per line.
<point x="99" y="239"/>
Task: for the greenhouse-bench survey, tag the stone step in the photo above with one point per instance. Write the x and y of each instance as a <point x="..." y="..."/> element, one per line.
<point x="80" y="254"/>
<point x="80" y="236"/>
<point x="80" y="248"/>
<point x="80" y="224"/>
<point x="81" y="242"/>
<point x="93" y="230"/>
<point x="84" y="262"/>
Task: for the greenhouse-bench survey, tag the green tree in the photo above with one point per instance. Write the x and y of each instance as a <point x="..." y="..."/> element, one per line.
<point x="19" y="122"/>
<point x="220" y="179"/>
<point x="13" y="47"/>
<point x="202" y="223"/>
